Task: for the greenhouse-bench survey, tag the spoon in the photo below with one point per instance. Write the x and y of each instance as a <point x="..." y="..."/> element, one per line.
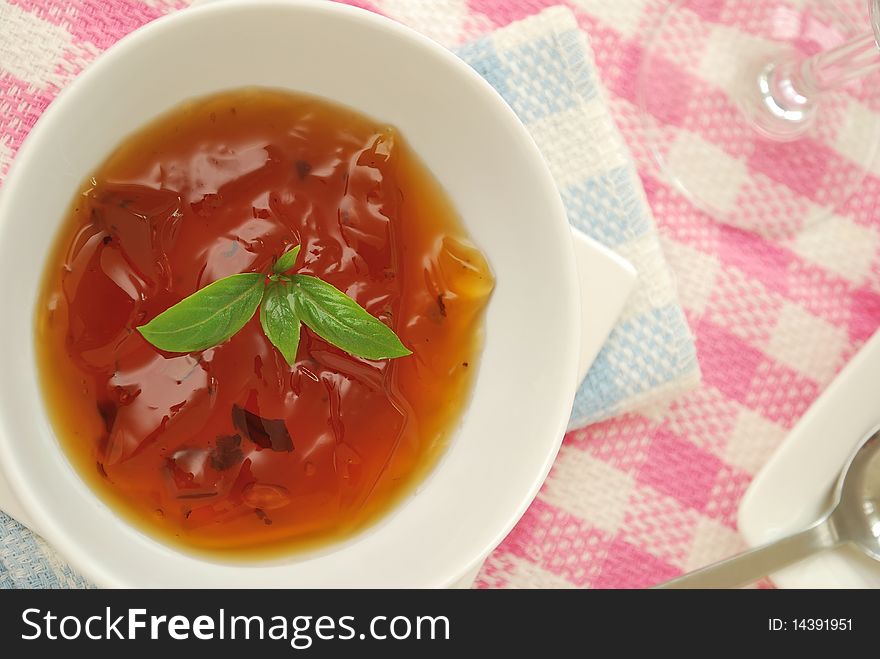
<point x="853" y="518"/>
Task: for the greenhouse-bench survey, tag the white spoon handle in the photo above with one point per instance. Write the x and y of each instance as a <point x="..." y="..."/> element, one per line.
<point x="749" y="566"/>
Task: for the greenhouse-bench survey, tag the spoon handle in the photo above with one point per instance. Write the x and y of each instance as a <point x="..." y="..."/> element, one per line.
<point x="749" y="566"/>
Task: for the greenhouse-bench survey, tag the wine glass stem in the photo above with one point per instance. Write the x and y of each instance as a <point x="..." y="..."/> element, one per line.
<point x="834" y="68"/>
<point x="791" y="89"/>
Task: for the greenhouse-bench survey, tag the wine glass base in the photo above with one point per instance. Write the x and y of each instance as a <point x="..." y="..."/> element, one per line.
<point x="699" y="91"/>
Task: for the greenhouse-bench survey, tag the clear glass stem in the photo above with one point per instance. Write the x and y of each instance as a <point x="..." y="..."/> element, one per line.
<point x="834" y="68"/>
<point x="791" y="89"/>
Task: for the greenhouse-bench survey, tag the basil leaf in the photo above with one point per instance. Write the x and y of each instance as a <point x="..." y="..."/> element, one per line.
<point x="287" y="261"/>
<point x="338" y="319"/>
<point x="279" y="321"/>
<point x="207" y="317"/>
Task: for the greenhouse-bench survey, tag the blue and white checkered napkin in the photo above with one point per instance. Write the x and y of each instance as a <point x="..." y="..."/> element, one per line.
<point x="544" y="68"/>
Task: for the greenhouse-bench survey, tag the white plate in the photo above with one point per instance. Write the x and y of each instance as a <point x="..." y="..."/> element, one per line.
<point x="794" y="487"/>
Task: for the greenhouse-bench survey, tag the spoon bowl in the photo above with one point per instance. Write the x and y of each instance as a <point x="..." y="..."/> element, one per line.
<point x="856" y="516"/>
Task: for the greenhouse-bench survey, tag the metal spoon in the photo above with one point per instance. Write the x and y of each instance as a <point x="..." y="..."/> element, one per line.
<point x="853" y="518"/>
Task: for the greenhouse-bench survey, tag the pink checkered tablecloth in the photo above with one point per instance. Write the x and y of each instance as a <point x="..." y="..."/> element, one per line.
<point x="644" y="497"/>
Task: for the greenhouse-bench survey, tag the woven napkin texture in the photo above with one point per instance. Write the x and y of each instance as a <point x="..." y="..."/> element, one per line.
<point x="544" y="68"/>
<point x="654" y="492"/>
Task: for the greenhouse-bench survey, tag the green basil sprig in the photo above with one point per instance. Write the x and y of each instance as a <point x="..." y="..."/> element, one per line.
<point x="218" y="311"/>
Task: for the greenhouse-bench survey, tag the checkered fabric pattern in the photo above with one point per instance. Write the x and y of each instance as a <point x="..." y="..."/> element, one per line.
<point x="544" y="68"/>
<point x="650" y="494"/>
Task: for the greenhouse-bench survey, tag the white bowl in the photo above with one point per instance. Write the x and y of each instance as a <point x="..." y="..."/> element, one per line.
<point x="497" y="179"/>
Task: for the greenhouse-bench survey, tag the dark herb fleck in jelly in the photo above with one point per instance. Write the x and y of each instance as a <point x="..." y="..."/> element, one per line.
<point x="303" y="168"/>
<point x="265" y="433"/>
<point x="107" y="410"/>
<point x="227" y="452"/>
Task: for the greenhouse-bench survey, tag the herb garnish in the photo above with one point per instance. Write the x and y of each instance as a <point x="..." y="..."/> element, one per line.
<point x="216" y="312"/>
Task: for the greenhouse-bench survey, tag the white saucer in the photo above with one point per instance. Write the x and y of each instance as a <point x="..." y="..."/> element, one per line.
<point x="795" y="486"/>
